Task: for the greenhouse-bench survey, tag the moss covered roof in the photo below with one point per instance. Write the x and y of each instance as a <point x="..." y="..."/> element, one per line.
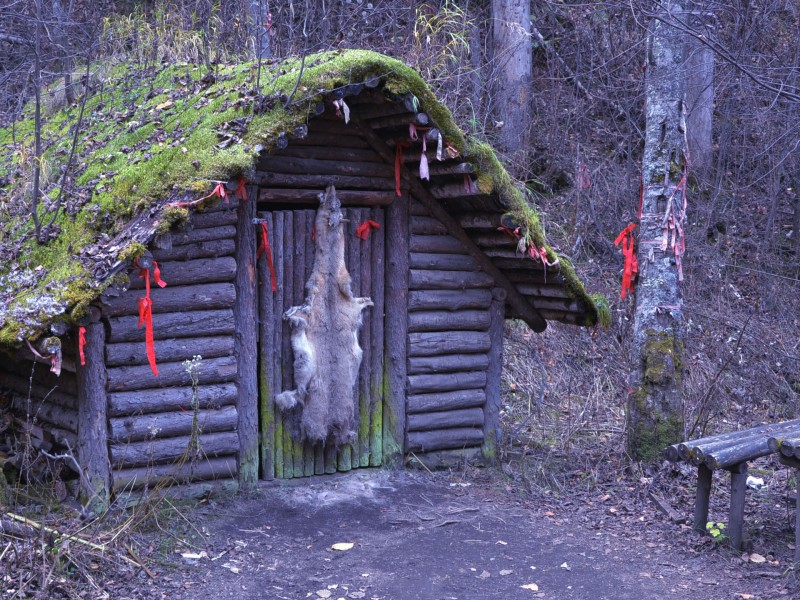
<point x="148" y="134"/>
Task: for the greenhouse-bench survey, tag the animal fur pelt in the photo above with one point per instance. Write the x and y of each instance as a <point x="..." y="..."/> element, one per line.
<point x="325" y="337"/>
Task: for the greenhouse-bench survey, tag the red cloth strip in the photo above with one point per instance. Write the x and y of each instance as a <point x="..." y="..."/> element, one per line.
<point x="146" y="319"/>
<point x="631" y="265"/>
<point x="157" y="276"/>
<point x="363" y="230"/>
<point x="81" y="344"/>
<point x="241" y="190"/>
<point x="265" y="249"/>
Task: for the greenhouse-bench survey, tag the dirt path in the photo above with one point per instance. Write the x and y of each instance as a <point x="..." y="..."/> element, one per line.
<point x="436" y="537"/>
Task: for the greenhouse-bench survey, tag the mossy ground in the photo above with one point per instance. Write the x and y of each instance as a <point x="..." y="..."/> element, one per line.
<point x="150" y="133"/>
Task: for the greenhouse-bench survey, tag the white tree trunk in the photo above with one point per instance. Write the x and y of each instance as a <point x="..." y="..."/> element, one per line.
<point x="512" y="77"/>
<point x="655" y="405"/>
<point x="258" y="21"/>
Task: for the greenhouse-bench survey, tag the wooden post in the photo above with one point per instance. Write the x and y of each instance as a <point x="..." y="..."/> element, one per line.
<point x="704" y="475"/>
<point x="491" y="411"/>
<point x="92" y="422"/>
<point x="396" y="334"/>
<point x="266" y="321"/>
<point x="736" y="518"/>
<point x="246" y="347"/>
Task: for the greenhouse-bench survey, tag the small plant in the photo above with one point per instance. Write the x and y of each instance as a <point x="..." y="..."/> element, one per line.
<point x="717" y="531"/>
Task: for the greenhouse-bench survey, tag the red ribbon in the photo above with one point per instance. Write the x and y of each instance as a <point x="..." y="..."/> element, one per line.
<point x="265" y="249"/>
<point x="625" y="239"/>
<point x="81" y="344"/>
<point x="146" y="312"/>
<point x="363" y="230"/>
<point x="398" y="162"/>
<point x="241" y="190"/>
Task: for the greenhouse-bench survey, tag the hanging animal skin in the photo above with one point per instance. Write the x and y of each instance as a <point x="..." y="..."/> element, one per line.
<point x="325" y="337"/>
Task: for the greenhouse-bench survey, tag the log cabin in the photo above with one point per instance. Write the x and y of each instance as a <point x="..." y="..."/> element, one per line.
<point x="143" y="332"/>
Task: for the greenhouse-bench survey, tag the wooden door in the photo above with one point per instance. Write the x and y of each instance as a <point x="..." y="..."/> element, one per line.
<point x="290" y="234"/>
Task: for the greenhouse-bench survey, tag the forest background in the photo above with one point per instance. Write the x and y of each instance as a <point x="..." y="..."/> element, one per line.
<point x="570" y="119"/>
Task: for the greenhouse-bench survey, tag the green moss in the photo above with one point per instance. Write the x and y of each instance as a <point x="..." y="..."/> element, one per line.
<point x="132" y="252"/>
<point x="647" y="440"/>
<point x="138" y="151"/>
<point x="663" y="358"/>
<point x="172" y="217"/>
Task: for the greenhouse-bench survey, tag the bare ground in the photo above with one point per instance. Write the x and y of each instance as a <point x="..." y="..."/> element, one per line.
<point x="460" y="535"/>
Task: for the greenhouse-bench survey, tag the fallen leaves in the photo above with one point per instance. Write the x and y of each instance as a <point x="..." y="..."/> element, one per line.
<point x="342" y="546"/>
<point x="530" y="586"/>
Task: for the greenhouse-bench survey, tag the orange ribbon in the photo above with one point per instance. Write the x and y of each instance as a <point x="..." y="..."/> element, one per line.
<point x="625" y="239"/>
<point x="146" y="312"/>
<point x="364" y="229"/>
<point x="81" y="344"/>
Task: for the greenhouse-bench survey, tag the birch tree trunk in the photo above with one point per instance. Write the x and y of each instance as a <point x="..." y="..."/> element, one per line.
<point x="512" y="73"/>
<point x="655" y="403"/>
<point x="258" y="19"/>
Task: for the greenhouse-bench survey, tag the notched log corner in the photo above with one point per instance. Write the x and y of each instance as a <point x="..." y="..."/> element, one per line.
<point x="325" y="327"/>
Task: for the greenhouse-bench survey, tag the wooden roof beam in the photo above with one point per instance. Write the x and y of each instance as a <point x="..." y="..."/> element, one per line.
<point x="516" y="300"/>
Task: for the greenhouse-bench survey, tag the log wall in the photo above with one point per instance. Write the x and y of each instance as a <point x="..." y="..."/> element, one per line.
<point x="157" y="430"/>
<point x="449" y="342"/>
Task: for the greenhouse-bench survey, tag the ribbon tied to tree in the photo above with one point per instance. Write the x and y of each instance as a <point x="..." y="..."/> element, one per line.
<point x="631" y="267"/>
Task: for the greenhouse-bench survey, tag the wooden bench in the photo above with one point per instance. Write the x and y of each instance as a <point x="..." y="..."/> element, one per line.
<point x="732" y="451"/>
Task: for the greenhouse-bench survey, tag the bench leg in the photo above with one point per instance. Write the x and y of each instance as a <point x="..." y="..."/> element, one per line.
<point x="738" y="488"/>
<point x="701" y="500"/>
<point x="797" y="520"/>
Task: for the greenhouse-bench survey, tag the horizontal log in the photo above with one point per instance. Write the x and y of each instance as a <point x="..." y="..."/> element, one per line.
<point x="439" y="169"/>
<point x="337" y="166"/>
<point x="449" y="363"/>
<point x="417" y="209"/>
<point x="486" y="221"/>
<point x="170" y="350"/>
<point x="442" y="439"/>
<point x="423" y="225"/>
<point x="449" y="300"/>
<point x="420" y="403"/>
<point x="445" y="320"/>
<point x="346" y="197"/>
<point x="171" y="424"/>
<point x="336" y="153"/>
<point x="556" y="304"/>
<point x="46" y="437"/>
<point x="197" y="250"/>
<point x="203" y="220"/>
<point x="466" y="417"/>
<point x="448" y="342"/>
<point x="495" y="239"/>
<point x="187" y="324"/>
<point x="453" y="190"/>
<point x="212" y="370"/>
<point x="191" y="272"/>
<point x="174" y="299"/>
<point x="335" y="140"/>
<point x="25" y="388"/>
<point x="400" y="120"/>
<point x="201" y="470"/>
<point x="448" y="459"/>
<point x="543" y="290"/>
<point x="441" y="244"/>
<point x="159" y="451"/>
<point x="446" y="382"/>
<point x="170" y="399"/>
<point x="269" y="180"/>
<point x="685" y="450"/>
<point x="442" y="262"/>
<point x="730" y="456"/>
<point x="419" y="279"/>
<point x="45" y="411"/>
<point x="207" y="234"/>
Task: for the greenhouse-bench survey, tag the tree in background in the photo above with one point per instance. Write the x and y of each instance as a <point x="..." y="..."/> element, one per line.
<point x="511" y="22"/>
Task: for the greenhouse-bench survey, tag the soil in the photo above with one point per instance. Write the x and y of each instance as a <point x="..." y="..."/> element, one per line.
<point x="447" y="536"/>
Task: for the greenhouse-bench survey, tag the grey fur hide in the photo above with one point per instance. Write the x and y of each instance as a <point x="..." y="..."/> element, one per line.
<point x="325" y="337"/>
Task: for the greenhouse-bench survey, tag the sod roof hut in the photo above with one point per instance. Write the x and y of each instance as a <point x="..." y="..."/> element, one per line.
<point x="190" y="181"/>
